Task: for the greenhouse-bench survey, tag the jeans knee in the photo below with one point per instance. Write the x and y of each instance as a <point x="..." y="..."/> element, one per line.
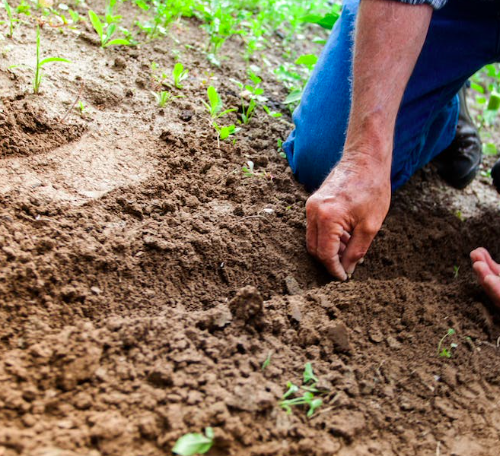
<point x="311" y="159"/>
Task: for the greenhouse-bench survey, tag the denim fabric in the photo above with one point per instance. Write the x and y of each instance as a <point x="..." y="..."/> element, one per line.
<point x="463" y="37"/>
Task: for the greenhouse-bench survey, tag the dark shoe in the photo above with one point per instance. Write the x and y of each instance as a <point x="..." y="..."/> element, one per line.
<point x="495" y="174"/>
<point x="459" y="163"/>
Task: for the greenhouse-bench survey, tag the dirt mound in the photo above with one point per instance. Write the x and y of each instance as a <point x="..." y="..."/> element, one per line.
<point x="147" y="308"/>
<point x="25" y="129"/>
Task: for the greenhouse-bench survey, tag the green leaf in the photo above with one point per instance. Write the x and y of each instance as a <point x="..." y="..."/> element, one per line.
<point x="494" y="102"/>
<point x="110" y="31"/>
<point x="313" y="405"/>
<point x="215" y="101"/>
<point x="177" y="71"/>
<point x="118" y="42"/>
<point x="477" y="87"/>
<point x="293" y="97"/>
<point x="96" y="23"/>
<point x="267" y="361"/>
<point x="309" y="374"/>
<point x="307" y="59"/>
<point x="53" y="59"/>
<point x="490" y="149"/>
<point x="191" y="444"/>
<point x="327" y="21"/>
<point x="292" y="389"/>
<point x="227" y="111"/>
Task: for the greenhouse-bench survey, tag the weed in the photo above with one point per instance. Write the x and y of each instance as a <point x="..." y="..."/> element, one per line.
<point x="446" y="352"/>
<point x="40" y="63"/>
<point x="215" y="106"/>
<point x="106" y="36"/>
<point x="179" y="74"/>
<point x="191" y="444"/>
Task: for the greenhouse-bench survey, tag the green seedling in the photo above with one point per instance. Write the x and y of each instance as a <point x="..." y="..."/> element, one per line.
<point x="179" y="74"/>
<point x="24" y="8"/>
<point x="81" y="108"/>
<point x="456" y="269"/>
<point x="40" y="63"/>
<point x="459" y="215"/>
<point x="191" y="444"/>
<point x="164" y="97"/>
<point x="215" y="108"/>
<point x="248" y="169"/>
<point x="11" y="18"/>
<point x="252" y="95"/>
<point x="308" y="398"/>
<point x="280" y="150"/>
<point x="220" y="25"/>
<point x="267" y="361"/>
<point x="490" y="149"/>
<point x="109" y="16"/>
<point x="106" y="36"/>
<point x="445" y="352"/>
<point x="309" y="374"/>
<point x="224" y="132"/>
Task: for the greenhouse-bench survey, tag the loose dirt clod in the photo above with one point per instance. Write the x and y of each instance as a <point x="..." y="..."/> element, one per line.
<point x="247" y="305"/>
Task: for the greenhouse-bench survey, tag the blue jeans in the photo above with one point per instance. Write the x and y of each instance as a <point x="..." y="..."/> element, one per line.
<point x="462" y="38"/>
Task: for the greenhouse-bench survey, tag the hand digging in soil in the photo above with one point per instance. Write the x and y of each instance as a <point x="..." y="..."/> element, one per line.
<point x="487" y="272"/>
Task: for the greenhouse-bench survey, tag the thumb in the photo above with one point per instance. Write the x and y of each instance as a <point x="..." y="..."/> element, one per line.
<point x="357" y="247"/>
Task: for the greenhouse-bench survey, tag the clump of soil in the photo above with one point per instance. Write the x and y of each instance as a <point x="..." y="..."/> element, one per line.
<point x="146" y="308"/>
<point x="25" y="129"/>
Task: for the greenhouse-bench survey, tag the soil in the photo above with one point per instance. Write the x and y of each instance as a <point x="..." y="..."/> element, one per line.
<point x="144" y="280"/>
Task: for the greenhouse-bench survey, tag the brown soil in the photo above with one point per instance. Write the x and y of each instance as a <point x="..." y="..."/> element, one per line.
<point x="144" y="280"/>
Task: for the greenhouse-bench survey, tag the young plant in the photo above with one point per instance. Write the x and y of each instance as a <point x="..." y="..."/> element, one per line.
<point x="253" y="94"/>
<point x="179" y="74"/>
<point x="309" y="397"/>
<point x="109" y="16"/>
<point x="106" y="36"/>
<point x="11" y="18"/>
<point x="81" y="108"/>
<point x="164" y="97"/>
<point x="446" y="352"/>
<point x="191" y="444"/>
<point x="267" y="361"/>
<point x="215" y="107"/>
<point x="40" y="63"/>
<point x="224" y="132"/>
<point x="220" y="25"/>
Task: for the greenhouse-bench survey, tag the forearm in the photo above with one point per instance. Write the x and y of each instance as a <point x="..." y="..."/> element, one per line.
<point x="389" y="38"/>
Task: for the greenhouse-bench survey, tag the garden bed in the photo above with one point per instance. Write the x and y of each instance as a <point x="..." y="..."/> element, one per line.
<point x="145" y="278"/>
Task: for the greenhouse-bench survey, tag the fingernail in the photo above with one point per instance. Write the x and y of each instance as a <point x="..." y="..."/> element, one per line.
<point x="361" y="261"/>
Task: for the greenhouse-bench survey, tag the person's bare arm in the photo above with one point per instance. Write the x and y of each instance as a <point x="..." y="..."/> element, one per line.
<point x="347" y="211"/>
